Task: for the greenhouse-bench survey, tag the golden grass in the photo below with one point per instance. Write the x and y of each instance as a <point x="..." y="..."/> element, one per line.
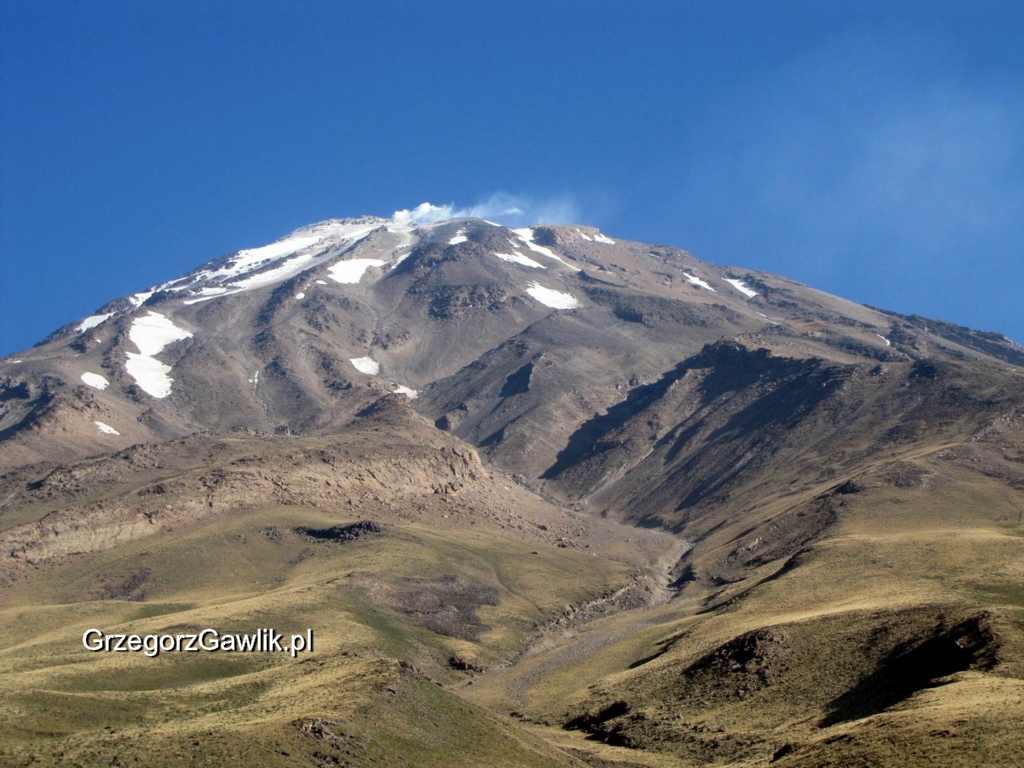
<point x="230" y="575"/>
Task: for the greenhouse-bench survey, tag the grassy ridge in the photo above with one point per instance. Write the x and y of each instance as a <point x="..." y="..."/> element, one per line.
<point x="251" y="571"/>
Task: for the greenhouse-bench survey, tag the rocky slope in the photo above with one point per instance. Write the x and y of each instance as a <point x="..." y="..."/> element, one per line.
<point x="507" y="335"/>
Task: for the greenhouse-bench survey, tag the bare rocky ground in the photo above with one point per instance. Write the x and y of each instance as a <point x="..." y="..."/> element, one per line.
<point x="667" y="522"/>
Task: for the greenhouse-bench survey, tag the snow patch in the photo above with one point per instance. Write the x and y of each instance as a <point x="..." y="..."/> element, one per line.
<point x="518" y="258"/>
<point x="526" y="235"/>
<point x="412" y="394"/>
<point x="95" y="380"/>
<point x="694" y="280"/>
<point x="215" y="295"/>
<point x="321" y="282"/>
<point x="400" y="259"/>
<point x="106" y="429"/>
<point x="351" y="271"/>
<point x="138" y="299"/>
<point x="602" y="239"/>
<point x="300" y="296"/>
<point x="252" y="258"/>
<point x="740" y="286"/>
<point x="366" y="365"/>
<point x="154" y="332"/>
<point x="287" y="269"/>
<point x="460" y="237"/>
<point x="552" y="298"/>
<point x="151" y="334"/>
<point x="92" y="321"/>
<point x="584" y="235"/>
<point x="887" y="342"/>
<point x="304" y="246"/>
<point x="150" y="374"/>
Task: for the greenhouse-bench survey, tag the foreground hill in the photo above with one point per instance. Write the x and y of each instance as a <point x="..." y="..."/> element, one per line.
<point x="545" y="497"/>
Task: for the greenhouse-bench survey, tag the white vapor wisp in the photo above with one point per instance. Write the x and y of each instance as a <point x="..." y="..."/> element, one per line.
<point x="501" y="207"/>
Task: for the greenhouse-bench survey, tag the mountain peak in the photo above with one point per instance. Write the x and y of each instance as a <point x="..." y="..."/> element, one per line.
<point x="300" y="334"/>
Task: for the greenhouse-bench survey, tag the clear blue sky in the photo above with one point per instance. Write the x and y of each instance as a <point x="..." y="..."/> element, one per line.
<point x="873" y="150"/>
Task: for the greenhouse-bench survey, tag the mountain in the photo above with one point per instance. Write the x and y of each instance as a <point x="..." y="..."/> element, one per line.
<point x="298" y="335"/>
<point x="550" y="497"/>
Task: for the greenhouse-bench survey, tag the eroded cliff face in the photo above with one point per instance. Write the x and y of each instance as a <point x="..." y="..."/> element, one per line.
<point x="388" y="457"/>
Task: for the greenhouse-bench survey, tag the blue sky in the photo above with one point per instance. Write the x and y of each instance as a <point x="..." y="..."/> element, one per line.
<point x="873" y="150"/>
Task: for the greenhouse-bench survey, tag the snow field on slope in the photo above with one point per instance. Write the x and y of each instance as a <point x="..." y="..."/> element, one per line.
<point x="460" y="237"/>
<point x="95" y="381"/>
<point x="106" y="428"/>
<point x="252" y="258"/>
<point x="249" y="259"/>
<point x="212" y="293"/>
<point x="287" y="269"/>
<point x="740" y="286"/>
<point x="526" y="235"/>
<point x="351" y="271"/>
<point x="401" y="389"/>
<point x="92" y="321"/>
<point x="326" y="234"/>
<point x="150" y="334"/>
<point x="150" y="374"/>
<point x="518" y="258"/>
<point x="694" y="280"/>
<point x="552" y="298"/>
<point x="366" y="365"/>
